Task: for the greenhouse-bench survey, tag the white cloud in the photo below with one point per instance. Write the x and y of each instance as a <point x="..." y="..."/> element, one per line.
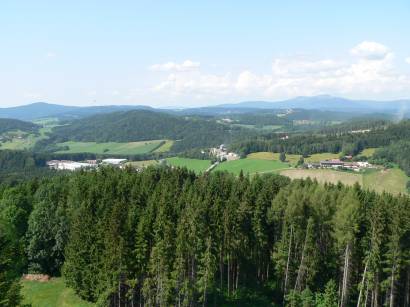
<point x="369" y="73"/>
<point x="370" y="50"/>
<point x="50" y="54"/>
<point x="187" y="65"/>
<point x="408" y="60"/>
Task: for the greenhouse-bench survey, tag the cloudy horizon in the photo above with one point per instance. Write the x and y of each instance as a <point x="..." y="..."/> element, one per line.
<point x="164" y="55"/>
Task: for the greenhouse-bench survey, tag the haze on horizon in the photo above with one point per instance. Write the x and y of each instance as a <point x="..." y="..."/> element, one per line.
<point x="182" y="53"/>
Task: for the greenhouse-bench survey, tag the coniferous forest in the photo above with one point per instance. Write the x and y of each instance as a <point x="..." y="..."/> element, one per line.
<point x="167" y="237"/>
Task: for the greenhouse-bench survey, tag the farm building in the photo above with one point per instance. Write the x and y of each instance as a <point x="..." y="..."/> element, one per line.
<point x="68" y="165"/>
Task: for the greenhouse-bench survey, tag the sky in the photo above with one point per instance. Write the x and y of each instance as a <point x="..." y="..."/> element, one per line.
<point x="195" y="53"/>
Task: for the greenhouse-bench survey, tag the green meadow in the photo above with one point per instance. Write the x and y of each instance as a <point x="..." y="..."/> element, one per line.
<point x="53" y="293"/>
<point x="131" y="148"/>
<point x="251" y="166"/>
<point x="196" y="165"/>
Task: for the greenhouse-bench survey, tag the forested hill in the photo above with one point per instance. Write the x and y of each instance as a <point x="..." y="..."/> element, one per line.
<point x="165" y="237"/>
<point x="140" y="125"/>
<point x="344" y="138"/>
<point x="7" y="124"/>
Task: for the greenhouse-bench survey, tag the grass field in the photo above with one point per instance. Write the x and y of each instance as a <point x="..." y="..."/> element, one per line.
<point x="166" y="147"/>
<point x="391" y="180"/>
<point x="251" y="166"/>
<point x="29" y="140"/>
<point x="144" y="163"/>
<point x="53" y="293"/>
<point x="368" y="152"/>
<point x="321" y="157"/>
<point x="323" y="175"/>
<point x="293" y="159"/>
<point x="131" y="148"/>
<point x="196" y="165"/>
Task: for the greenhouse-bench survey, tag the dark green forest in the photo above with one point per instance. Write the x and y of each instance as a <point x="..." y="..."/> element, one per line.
<point x="8" y="124"/>
<point x="167" y="237"/>
<point x="335" y="140"/>
<point x="140" y="125"/>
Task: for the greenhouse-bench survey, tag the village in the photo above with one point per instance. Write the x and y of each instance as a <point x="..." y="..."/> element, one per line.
<point x="339" y="164"/>
<point x="221" y="154"/>
<point x="68" y="165"/>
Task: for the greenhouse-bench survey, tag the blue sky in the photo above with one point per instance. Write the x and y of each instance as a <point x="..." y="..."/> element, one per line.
<point x="186" y="53"/>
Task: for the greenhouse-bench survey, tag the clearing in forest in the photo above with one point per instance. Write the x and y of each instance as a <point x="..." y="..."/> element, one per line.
<point x="53" y="293"/>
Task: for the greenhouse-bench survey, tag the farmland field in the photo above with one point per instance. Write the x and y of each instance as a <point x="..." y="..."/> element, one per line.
<point x="251" y="166"/>
<point x="144" y="163"/>
<point x="293" y="159"/>
<point x="322" y="156"/>
<point x="323" y="175"/>
<point x="391" y="180"/>
<point x="195" y="165"/>
<point x="131" y="148"/>
<point x="53" y="293"/>
<point x="368" y="152"/>
<point x="27" y="141"/>
<point x="166" y="147"/>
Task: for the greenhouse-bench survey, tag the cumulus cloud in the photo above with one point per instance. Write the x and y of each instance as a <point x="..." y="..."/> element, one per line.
<point x="370" y="50"/>
<point x="369" y="72"/>
<point x="187" y="65"/>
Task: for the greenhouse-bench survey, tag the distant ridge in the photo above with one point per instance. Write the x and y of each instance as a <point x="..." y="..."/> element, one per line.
<point x="323" y="103"/>
<point x="42" y="109"/>
<point x="326" y="103"/>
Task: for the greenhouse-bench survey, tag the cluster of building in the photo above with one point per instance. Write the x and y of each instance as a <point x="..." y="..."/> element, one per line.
<point x="337" y="163"/>
<point x="222" y="154"/>
<point x="88" y="164"/>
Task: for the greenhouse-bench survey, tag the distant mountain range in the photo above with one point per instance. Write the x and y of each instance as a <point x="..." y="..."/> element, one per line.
<point x="323" y="103"/>
<point x="42" y="110"/>
<point x="326" y="103"/>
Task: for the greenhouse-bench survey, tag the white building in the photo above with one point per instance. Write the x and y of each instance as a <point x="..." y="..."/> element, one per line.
<point x="115" y="162"/>
<point x="68" y="165"/>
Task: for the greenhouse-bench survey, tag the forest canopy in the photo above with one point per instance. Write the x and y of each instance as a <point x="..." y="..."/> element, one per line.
<point x="167" y="237"/>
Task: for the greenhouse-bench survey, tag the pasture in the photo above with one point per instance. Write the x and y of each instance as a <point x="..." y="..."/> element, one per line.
<point x="53" y="293"/>
<point x="165" y="147"/>
<point x="251" y="166"/>
<point x="368" y="152"/>
<point x="292" y="159"/>
<point x="391" y="180"/>
<point x="196" y="165"/>
<point x="324" y="175"/>
<point x="322" y="156"/>
<point x="131" y="148"/>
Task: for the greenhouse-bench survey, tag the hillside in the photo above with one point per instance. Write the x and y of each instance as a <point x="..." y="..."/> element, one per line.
<point x="7" y="124"/>
<point x="142" y="125"/>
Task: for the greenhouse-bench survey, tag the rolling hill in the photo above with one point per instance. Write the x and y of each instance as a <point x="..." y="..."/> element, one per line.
<point x="7" y="124"/>
<point x="143" y="125"/>
<point x="42" y="110"/>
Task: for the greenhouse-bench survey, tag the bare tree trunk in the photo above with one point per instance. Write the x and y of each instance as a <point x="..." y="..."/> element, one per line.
<point x="345" y="276"/>
<point x="287" y="264"/>
<point x="392" y="286"/>
<point x="407" y="298"/>
<point x="301" y="270"/>
<point x="362" y="284"/>
<point x="237" y="277"/>
<point x="229" y="275"/>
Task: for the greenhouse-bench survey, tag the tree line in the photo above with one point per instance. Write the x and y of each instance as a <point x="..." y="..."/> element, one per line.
<point x="167" y="237"/>
<point x="337" y="140"/>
